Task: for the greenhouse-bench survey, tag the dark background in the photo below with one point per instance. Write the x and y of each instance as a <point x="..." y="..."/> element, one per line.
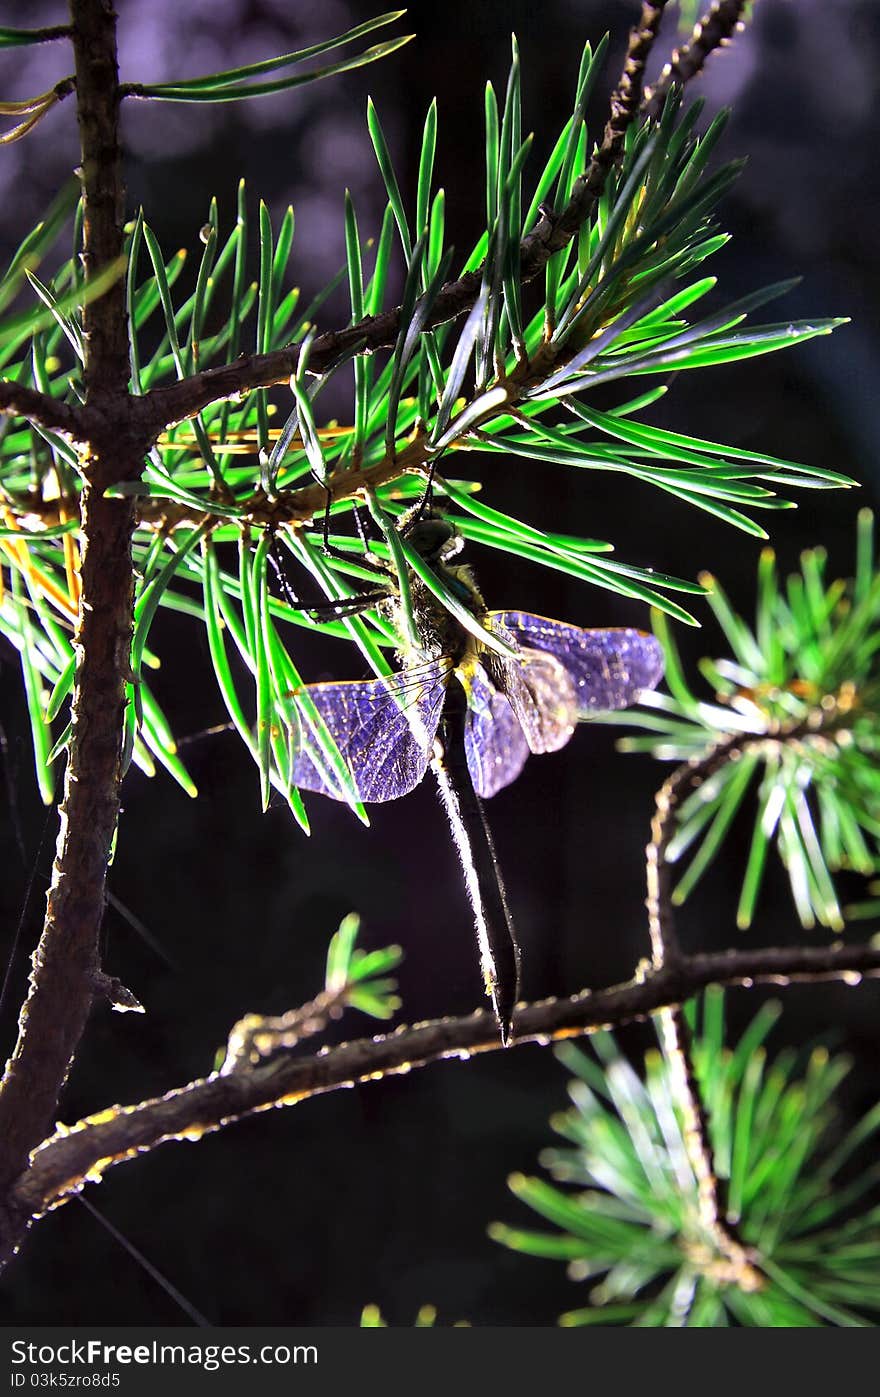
<point x="383" y="1193"/>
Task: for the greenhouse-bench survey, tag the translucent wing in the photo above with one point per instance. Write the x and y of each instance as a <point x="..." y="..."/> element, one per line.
<point x="542" y="695"/>
<point x="384" y="730"/>
<point x="609" y="668"/>
<point x="495" y="744"/>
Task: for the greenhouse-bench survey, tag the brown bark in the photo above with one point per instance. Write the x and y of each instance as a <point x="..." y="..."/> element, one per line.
<point x="713" y="31"/>
<point x="65" y="964"/>
<point x="80" y="1153"/>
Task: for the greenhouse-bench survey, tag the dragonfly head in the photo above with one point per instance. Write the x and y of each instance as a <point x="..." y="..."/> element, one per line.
<point x="435" y="539"/>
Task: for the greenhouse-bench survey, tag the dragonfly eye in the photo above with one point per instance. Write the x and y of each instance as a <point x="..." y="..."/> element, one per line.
<point x="434" y="539"/>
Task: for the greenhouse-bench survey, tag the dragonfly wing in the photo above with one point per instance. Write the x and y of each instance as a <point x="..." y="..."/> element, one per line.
<point x="495" y="744"/>
<point x="609" y="668"/>
<point x="542" y="695"/>
<point x="384" y="730"/>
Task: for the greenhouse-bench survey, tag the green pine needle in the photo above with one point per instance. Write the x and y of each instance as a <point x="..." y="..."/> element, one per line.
<point x="620" y="302"/>
<point x="809" y="666"/>
<point x="624" y="1200"/>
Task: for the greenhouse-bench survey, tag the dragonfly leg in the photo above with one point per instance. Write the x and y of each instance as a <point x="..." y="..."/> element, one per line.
<point x="426" y="503"/>
<point x="281" y="577"/>
<point x="326" y="609"/>
<point x="362" y="519"/>
<point x="331" y="550"/>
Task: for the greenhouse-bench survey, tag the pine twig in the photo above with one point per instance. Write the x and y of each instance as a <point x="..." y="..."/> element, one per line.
<point x="17" y="399"/>
<point x="162" y="407"/>
<point x="47" y="33"/>
<point x="78" y="1154"/>
<point x="714" y="30"/>
<point x="626" y="102"/>
<point x="667" y="954"/>
<point x="665" y="949"/>
<point x="695" y="1122"/>
<point x="257" y="1036"/>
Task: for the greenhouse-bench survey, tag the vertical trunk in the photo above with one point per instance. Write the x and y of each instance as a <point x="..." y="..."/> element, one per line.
<point x="66" y="960"/>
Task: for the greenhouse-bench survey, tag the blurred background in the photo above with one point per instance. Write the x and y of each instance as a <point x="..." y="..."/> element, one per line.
<point x="383" y="1193"/>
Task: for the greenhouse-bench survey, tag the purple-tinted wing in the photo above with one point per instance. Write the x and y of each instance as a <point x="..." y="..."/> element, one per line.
<point x="542" y="695"/>
<point x="610" y="668"/>
<point x="495" y="744"/>
<point x="384" y="730"/>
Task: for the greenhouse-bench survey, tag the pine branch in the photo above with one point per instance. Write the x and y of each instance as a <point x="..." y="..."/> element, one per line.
<point x="713" y="30"/>
<point x="66" y="970"/>
<point x="118" y="429"/>
<point x="667" y="954"/>
<point x="665" y="948"/>
<point x="162" y="407"/>
<point x="17" y="399"/>
<point x="79" y="1153"/>
<point x="697" y="1142"/>
<point x="626" y="101"/>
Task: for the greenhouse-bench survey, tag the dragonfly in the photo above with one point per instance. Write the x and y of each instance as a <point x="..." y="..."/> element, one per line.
<point x="471" y="702"/>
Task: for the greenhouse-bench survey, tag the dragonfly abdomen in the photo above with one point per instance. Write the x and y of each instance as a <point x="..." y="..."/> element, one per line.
<point x="499" y="952"/>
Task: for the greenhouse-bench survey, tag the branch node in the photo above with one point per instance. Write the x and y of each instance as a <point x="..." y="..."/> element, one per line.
<point x="119" y="997"/>
<point x="257" y="1036"/>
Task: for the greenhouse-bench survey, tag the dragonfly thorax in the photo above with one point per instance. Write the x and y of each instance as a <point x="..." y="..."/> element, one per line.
<point x="440" y="634"/>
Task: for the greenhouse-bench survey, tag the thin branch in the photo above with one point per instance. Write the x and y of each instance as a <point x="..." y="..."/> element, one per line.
<point x="162" y="407"/>
<point x="665" y="949"/>
<point x="697" y="1142"/>
<point x="825" y="721"/>
<point x="17" y="399"/>
<point x="80" y="1153"/>
<point x="626" y="101"/>
<point x="46" y="34"/>
<point x="667" y="954"/>
<point x="715" y="29"/>
<point x="258" y="1036"/>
